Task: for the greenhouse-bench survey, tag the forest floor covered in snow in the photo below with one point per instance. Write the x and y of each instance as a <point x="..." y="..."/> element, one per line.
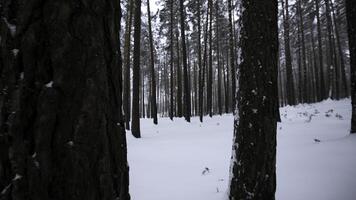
<point x="190" y="161"/>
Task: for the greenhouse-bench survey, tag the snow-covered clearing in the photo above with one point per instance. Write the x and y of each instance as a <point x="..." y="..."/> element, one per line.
<point x="170" y="160"/>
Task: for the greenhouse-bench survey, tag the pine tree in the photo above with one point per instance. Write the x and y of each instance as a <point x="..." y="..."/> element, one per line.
<point x="351" y="28"/>
<point x="254" y="149"/>
<point x="153" y="103"/>
<point x="62" y="133"/>
<point x="135" y="124"/>
<point x="187" y="103"/>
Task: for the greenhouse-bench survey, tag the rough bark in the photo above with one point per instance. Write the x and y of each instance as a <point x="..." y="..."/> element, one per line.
<point x="254" y="150"/>
<point x="351" y="29"/>
<point x="62" y="133"/>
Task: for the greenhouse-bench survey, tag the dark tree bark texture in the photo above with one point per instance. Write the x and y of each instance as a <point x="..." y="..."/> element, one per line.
<point x="351" y="23"/>
<point x="253" y="170"/>
<point x="62" y="133"/>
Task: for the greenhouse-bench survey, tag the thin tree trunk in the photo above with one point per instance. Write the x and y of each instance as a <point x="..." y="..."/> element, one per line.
<point x="171" y="62"/>
<point x="288" y="58"/>
<point x="232" y="57"/>
<point x="210" y="69"/>
<point x="127" y="78"/>
<point x="153" y="102"/>
<point x="187" y="104"/>
<point x="321" y="63"/>
<point x="135" y="124"/>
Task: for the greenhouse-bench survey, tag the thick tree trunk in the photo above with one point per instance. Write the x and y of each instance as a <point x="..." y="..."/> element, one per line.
<point x="253" y="167"/>
<point x="351" y="28"/>
<point x="62" y="133"/>
<point x="135" y="122"/>
<point x="153" y="102"/>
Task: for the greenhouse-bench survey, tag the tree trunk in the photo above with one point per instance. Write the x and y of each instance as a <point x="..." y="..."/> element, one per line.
<point x="331" y="62"/>
<point x="127" y="88"/>
<point x="218" y="57"/>
<point x="321" y="62"/>
<point x="209" y="86"/>
<point x="135" y="124"/>
<point x="232" y="58"/>
<point x="187" y="104"/>
<point x="288" y="57"/>
<point x="62" y="133"/>
<point x="171" y="110"/>
<point x="341" y="54"/>
<point x="153" y="102"/>
<point x="351" y="29"/>
<point x="254" y="150"/>
<point x="304" y="60"/>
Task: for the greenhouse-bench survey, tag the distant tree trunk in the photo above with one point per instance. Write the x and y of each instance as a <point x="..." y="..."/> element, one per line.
<point x="135" y="124"/>
<point x="171" y="113"/>
<point x="300" y="70"/>
<point x="187" y="104"/>
<point x="202" y="75"/>
<point x="153" y="102"/>
<point x="351" y="28"/>
<point x="316" y="70"/>
<point x="127" y="78"/>
<point x="331" y="58"/>
<point x="62" y="133"/>
<point x="209" y="86"/>
<point x="341" y="54"/>
<point x="232" y="57"/>
<point x="304" y="60"/>
<point x="254" y="149"/>
<point x="321" y="64"/>
<point x="288" y="57"/>
<point x="179" y="79"/>
<point x="200" y="78"/>
<point x="218" y="57"/>
<point x="227" y="89"/>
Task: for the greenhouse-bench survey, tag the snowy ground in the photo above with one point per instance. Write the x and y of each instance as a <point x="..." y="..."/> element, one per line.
<point x="169" y="161"/>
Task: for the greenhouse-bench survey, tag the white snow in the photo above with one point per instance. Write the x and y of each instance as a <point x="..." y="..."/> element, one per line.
<point x="15" y="52"/>
<point x="17" y="177"/>
<point x="169" y="160"/>
<point x="49" y="84"/>
<point x="10" y="26"/>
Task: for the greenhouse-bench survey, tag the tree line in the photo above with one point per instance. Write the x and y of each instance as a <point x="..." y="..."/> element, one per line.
<point x="188" y="66"/>
<point x="64" y="83"/>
